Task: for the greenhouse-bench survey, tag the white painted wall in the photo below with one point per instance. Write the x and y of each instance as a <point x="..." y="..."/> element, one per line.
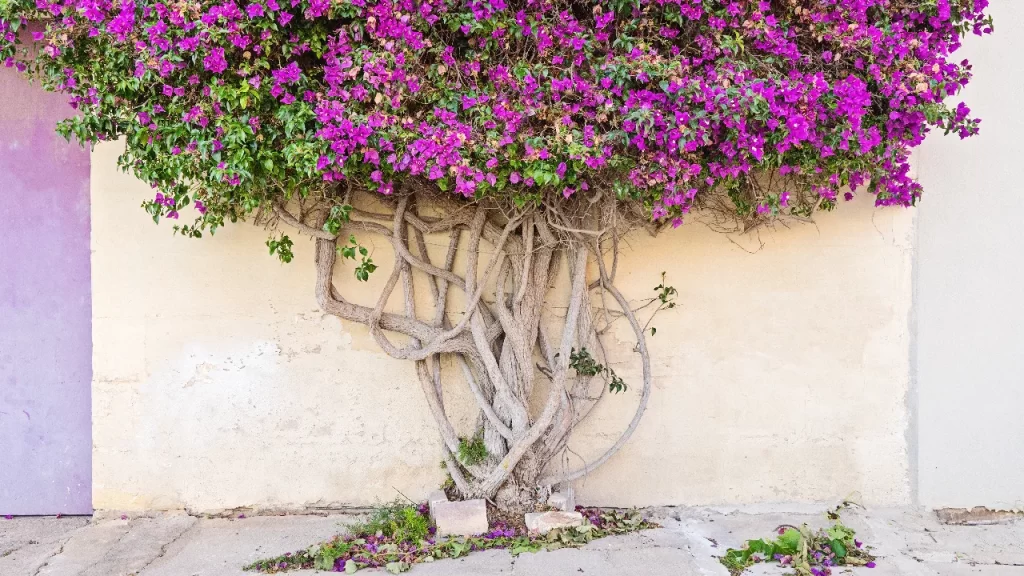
<point x="970" y="288"/>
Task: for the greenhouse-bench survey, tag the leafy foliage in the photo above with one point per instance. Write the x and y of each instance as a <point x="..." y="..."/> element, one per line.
<point x="585" y="365"/>
<point x="398" y="520"/>
<point x="398" y="552"/>
<point x="231" y="108"/>
<point x="472" y="451"/>
<point x="366" y="265"/>
<point x="666" y="301"/>
<point x="807" y="552"/>
<point x="666" y="293"/>
<point x="282" y="247"/>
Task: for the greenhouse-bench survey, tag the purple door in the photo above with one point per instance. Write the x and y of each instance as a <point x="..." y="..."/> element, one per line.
<point x="45" y="308"/>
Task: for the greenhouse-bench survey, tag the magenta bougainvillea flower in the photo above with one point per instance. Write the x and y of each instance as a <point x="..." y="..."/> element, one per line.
<point x="487" y="97"/>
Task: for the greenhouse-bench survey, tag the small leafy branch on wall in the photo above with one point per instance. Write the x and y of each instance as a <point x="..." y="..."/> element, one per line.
<point x="495" y="147"/>
<point x="584" y="364"/>
<point x="666" y="298"/>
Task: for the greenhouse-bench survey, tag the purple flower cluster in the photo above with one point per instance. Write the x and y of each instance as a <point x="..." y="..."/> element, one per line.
<point x="593" y="515"/>
<point x="499" y="530"/>
<point x="169" y="203"/>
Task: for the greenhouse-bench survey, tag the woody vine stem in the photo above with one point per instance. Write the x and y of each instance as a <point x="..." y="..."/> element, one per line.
<point x="502" y="344"/>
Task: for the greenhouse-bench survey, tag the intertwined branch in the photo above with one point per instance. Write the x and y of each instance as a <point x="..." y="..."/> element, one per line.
<point x="500" y="338"/>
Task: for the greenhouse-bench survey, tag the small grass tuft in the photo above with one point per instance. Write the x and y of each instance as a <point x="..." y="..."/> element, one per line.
<point x="472" y="451"/>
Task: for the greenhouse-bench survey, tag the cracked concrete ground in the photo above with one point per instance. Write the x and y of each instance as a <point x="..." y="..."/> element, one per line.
<point x="908" y="542"/>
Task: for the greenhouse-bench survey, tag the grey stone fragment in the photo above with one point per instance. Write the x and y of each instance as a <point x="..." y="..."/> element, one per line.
<point x="977" y="516"/>
<point x="544" y="522"/>
<point x="466" y="518"/>
<point x="563" y="501"/>
<point x="435" y="497"/>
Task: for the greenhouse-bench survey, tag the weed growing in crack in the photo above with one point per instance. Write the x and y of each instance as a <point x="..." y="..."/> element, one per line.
<point x="397" y="520"/>
<point x="807" y="552"/>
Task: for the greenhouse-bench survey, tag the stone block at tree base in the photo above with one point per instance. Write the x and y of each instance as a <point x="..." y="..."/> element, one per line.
<point x="467" y="518"/>
<point x="434" y="497"/>
<point x="544" y="522"/>
<point x="563" y="501"/>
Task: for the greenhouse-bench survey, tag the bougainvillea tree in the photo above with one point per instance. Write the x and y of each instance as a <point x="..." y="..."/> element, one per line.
<point x="529" y="135"/>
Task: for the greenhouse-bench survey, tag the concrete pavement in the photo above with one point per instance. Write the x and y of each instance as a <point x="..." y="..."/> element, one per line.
<point x="908" y="542"/>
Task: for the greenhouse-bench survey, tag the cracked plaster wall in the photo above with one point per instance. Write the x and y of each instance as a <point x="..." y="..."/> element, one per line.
<point x="781" y="377"/>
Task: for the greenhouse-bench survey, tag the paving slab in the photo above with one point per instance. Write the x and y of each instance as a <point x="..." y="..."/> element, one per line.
<point x="646" y="561"/>
<point x="907" y="542"/>
<point x="918" y="535"/>
<point x="26" y="543"/>
<point x="144" y="542"/>
<point x="20" y="531"/>
<point x="221" y="546"/>
<point x="85" y="547"/>
<point x="960" y="569"/>
<point x="731" y="530"/>
<point x="622" y="542"/>
<point x="497" y="562"/>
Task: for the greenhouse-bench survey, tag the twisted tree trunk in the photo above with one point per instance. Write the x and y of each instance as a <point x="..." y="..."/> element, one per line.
<point x="499" y="340"/>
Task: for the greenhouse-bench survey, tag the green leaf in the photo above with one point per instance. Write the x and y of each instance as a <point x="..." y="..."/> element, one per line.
<point x="761" y="547"/>
<point x="324" y="561"/>
<point x="789" y="541"/>
<point x="839" y="548"/>
<point x="350" y="567"/>
<point x="397" y="567"/>
<point x="459" y="548"/>
<point x="839" y="532"/>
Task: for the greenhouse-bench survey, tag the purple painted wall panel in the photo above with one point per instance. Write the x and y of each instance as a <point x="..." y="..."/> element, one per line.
<point x="45" y="308"/>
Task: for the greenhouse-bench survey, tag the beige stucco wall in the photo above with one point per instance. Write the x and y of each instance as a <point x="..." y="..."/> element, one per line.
<point x="781" y="377"/>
